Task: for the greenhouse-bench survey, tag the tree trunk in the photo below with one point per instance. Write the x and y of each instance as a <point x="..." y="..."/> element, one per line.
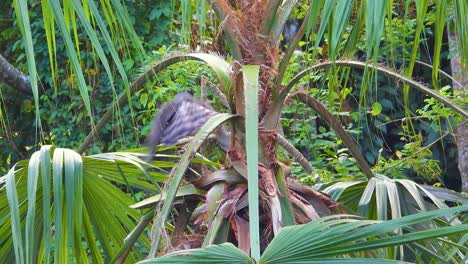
<point x="461" y="76"/>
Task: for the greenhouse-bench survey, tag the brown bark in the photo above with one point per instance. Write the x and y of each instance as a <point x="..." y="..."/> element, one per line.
<point x="461" y="75"/>
<point x="13" y="77"/>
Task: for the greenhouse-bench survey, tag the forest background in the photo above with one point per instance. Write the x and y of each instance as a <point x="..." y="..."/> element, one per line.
<point x="400" y="133"/>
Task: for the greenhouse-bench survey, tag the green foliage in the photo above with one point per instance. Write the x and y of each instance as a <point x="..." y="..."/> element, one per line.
<point x="369" y="105"/>
<point x="335" y="239"/>
<point x="59" y="190"/>
<point x="62" y="110"/>
<point x="414" y="157"/>
<point x="379" y="126"/>
<point x="435" y="112"/>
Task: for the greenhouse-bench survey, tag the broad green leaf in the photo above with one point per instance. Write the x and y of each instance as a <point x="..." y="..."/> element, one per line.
<point x="412" y="189"/>
<point x="201" y="17"/>
<point x="441" y="11"/>
<point x="287" y="214"/>
<point x="213" y="198"/>
<point x="224" y="253"/>
<point x="15" y="215"/>
<point x="69" y="168"/>
<point x="21" y="10"/>
<point x="49" y="28"/>
<point x="326" y="13"/>
<point x="250" y="75"/>
<point x="186" y="29"/>
<point x="366" y="198"/>
<point x="219" y="226"/>
<point x="376" y="109"/>
<point x="33" y="178"/>
<point x="57" y="174"/>
<point x="381" y="200"/>
<point x="446" y="194"/>
<point x="375" y="17"/>
<point x="81" y="199"/>
<point x="352" y="41"/>
<point x="337" y="236"/>
<point x="278" y="20"/>
<point x="314" y="13"/>
<point x="46" y="199"/>
<point x="337" y="189"/>
<point x="340" y="17"/>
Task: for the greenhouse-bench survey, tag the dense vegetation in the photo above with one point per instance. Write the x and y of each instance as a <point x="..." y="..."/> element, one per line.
<point x="362" y="92"/>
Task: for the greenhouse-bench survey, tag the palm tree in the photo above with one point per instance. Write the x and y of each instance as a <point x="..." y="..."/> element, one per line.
<point x="255" y="87"/>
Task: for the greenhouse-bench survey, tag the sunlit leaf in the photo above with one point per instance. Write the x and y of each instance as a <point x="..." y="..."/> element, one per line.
<point x="376" y="109"/>
<point x="224" y="253"/>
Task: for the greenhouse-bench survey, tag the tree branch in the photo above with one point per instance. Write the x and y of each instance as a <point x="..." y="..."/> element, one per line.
<point x="270" y="119"/>
<point x="13" y="77"/>
<point x="335" y="124"/>
<point x="297" y="155"/>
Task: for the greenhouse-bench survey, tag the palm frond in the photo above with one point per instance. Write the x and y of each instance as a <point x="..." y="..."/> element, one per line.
<point x="86" y="205"/>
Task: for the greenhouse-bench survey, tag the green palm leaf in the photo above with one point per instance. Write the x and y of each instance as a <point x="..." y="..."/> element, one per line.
<point x="335" y="236"/>
<point x="224" y="253"/>
<point x="86" y="206"/>
<point x="178" y="173"/>
<point x="250" y="74"/>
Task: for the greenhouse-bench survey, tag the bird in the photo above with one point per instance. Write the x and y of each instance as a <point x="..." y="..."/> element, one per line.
<point x="181" y="117"/>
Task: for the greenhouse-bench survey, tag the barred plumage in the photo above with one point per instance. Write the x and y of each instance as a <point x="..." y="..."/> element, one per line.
<point x="189" y="117"/>
<point x="182" y="117"/>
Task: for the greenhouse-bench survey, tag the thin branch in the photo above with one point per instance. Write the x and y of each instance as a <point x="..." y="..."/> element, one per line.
<point x="297" y="155"/>
<point x="446" y="75"/>
<point x="335" y="124"/>
<point x="269" y="121"/>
